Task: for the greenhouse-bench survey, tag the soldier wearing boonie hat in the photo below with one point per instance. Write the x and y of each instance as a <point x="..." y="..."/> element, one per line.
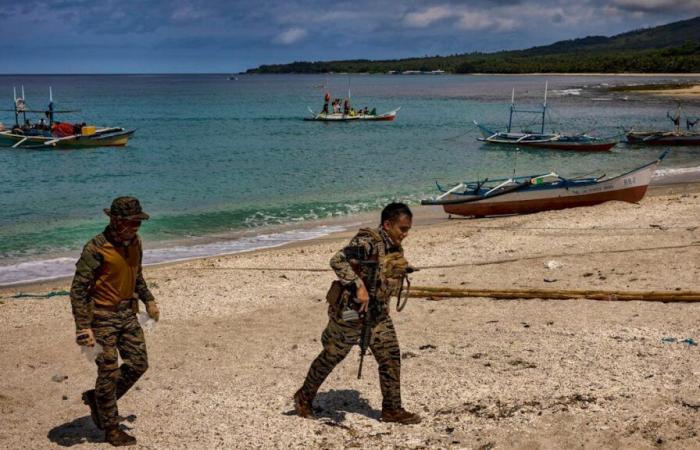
<point x="108" y="279"/>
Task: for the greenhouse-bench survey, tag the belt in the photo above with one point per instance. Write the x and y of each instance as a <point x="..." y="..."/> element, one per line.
<point x="121" y="306"/>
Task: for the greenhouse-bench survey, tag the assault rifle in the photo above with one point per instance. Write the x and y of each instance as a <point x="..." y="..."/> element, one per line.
<point x="358" y="255"/>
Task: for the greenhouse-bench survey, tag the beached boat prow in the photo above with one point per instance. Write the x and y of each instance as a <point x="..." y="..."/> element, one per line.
<point x="340" y="117"/>
<point x="48" y="133"/>
<point x="537" y="193"/>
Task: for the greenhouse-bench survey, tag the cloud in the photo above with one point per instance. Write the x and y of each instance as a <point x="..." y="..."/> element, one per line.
<point x="188" y="13"/>
<point x="428" y="17"/>
<point x="465" y="19"/>
<point x="168" y="32"/>
<point x="478" y="21"/>
<point x="291" y="36"/>
<point x="657" y="6"/>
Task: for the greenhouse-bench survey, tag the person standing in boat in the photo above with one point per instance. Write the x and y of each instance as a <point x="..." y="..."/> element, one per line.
<point x="326" y="100"/>
<point x="382" y="244"/>
<point x="103" y="294"/>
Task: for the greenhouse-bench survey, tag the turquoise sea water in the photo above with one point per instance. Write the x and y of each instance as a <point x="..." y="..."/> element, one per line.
<point x="213" y="157"/>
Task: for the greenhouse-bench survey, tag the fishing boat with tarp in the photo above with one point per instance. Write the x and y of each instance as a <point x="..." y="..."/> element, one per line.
<point x="535" y="193"/>
<point x="49" y="133"/>
<point x="676" y="137"/>
<point x="528" y="138"/>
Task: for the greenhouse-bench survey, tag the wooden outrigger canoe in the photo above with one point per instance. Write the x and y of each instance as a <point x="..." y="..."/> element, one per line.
<point x="340" y="117"/>
<point x="676" y="137"/>
<point x="55" y="134"/>
<point x="663" y="138"/>
<point x="102" y="137"/>
<point x="556" y="141"/>
<point x="524" y="195"/>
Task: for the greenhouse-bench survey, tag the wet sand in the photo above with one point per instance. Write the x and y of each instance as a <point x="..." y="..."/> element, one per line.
<point x="238" y="333"/>
<point x="690" y="92"/>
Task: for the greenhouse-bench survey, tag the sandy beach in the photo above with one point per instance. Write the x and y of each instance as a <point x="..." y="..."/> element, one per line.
<point x="238" y="333"/>
<point x="690" y="92"/>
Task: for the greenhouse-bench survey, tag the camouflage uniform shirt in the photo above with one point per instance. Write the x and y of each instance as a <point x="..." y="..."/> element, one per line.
<point x="377" y="243"/>
<point x="91" y="269"/>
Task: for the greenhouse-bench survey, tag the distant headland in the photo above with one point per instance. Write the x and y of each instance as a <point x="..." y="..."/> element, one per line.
<point x="670" y="48"/>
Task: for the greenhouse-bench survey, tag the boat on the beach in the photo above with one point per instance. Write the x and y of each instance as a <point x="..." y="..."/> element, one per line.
<point x="49" y="133"/>
<point x="359" y="116"/>
<point x="676" y="137"/>
<point x="527" y="138"/>
<point x="522" y="195"/>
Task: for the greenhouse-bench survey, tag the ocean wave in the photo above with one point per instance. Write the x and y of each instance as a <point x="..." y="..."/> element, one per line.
<point x="48" y="269"/>
<point x="676" y="175"/>
<point x="563" y="92"/>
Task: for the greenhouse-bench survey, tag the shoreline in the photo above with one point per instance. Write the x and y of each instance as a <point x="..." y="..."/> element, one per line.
<point x="423" y="217"/>
<point x="237" y="335"/>
<point x="669" y="91"/>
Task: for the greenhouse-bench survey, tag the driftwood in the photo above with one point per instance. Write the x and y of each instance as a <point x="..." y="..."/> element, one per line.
<point x="437" y="293"/>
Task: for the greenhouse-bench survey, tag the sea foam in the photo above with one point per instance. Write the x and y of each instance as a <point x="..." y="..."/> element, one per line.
<point x="41" y="270"/>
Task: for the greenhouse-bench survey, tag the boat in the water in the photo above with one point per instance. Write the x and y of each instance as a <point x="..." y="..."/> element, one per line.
<point x="676" y="137"/>
<point x="556" y="141"/>
<point x="340" y="110"/>
<point x="522" y="195"/>
<point x="49" y="133"/>
<point x="350" y="117"/>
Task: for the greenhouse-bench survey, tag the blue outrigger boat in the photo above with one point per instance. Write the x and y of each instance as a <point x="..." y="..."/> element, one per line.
<point x="558" y="141"/>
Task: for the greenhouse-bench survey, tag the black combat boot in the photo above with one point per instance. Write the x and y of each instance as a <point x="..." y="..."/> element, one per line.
<point x="399" y="415"/>
<point x="302" y="404"/>
<point x="118" y="438"/>
<point x="89" y="399"/>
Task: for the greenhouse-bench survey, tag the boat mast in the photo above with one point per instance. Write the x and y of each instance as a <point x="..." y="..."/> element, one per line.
<point x="50" y="107"/>
<point x="24" y="106"/>
<point x="512" y="109"/>
<point x="544" y="106"/>
<point x="14" y="96"/>
<point x="677" y="122"/>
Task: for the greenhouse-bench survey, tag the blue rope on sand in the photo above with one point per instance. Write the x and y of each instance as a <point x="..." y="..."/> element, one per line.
<point x="47" y="295"/>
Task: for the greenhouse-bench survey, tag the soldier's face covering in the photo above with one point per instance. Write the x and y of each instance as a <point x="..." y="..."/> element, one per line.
<point x="125" y="230"/>
<point x="398" y="228"/>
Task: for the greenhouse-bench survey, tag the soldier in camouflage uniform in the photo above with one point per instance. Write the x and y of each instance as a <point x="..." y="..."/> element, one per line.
<point x="107" y="278"/>
<point x="343" y="329"/>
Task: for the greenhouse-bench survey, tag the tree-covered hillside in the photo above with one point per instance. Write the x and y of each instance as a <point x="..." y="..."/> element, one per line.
<point x="673" y="47"/>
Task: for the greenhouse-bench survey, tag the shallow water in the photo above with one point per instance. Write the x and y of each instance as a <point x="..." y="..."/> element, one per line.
<point x="214" y="157"/>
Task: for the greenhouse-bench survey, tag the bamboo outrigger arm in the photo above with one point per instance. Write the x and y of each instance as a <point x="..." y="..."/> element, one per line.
<point x="438" y="293"/>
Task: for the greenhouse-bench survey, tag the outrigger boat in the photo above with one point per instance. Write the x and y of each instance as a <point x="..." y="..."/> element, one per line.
<point x="675" y="137"/>
<point x="348" y="114"/>
<point x="558" y="141"/>
<point x="53" y="134"/>
<point x="522" y="195"/>
<point x="341" y="117"/>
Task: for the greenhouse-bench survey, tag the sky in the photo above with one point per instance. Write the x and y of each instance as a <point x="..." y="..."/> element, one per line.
<point x="227" y="36"/>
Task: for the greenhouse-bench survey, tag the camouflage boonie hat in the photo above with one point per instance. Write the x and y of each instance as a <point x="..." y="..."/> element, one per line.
<point x="126" y="208"/>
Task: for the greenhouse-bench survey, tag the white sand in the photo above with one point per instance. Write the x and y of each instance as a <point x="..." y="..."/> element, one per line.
<point x="233" y="345"/>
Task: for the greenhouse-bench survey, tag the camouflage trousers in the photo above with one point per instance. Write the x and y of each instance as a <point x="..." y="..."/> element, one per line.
<point x="338" y="339"/>
<point x="120" y="334"/>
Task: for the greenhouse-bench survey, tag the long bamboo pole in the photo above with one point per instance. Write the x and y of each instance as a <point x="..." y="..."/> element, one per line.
<point x="556" y="294"/>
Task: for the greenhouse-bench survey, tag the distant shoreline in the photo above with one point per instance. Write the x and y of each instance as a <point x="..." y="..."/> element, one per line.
<point x="673" y="90"/>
